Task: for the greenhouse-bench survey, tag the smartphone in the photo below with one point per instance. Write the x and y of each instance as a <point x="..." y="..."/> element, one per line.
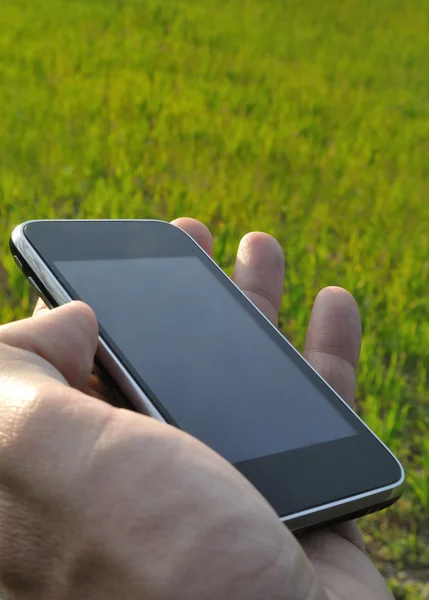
<point x="181" y="343"/>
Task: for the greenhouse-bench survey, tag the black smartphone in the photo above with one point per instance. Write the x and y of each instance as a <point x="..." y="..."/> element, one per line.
<point x="184" y="345"/>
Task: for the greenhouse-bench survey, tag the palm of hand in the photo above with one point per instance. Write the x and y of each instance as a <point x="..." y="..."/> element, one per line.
<point x="332" y="348"/>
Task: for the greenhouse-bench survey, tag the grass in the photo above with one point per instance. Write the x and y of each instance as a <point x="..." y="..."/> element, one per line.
<point x="308" y="120"/>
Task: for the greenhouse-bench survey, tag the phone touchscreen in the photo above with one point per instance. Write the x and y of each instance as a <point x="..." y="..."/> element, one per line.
<point x="220" y="376"/>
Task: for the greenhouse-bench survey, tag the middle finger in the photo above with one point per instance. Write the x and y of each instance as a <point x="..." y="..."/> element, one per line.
<point x="259" y="272"/>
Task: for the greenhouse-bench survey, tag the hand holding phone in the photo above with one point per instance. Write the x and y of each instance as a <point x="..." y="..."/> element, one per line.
<point x="127" y="506"/>
<point x="264" y="408"/>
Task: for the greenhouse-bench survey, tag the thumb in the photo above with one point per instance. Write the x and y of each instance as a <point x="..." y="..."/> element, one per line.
<point x="65" y="337"/>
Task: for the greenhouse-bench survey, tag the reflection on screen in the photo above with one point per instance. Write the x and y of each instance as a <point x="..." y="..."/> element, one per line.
<point x="218" y="373"/>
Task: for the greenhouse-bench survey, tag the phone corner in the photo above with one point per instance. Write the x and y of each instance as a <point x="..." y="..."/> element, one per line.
<point x="18" y="232"/>
<point x="398" y="479"/>
<point x="15" y="236"/>
<point x="398" y="486"/>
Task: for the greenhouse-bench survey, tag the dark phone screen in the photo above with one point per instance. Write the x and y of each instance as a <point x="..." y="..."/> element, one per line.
<point x="217" y="372"/>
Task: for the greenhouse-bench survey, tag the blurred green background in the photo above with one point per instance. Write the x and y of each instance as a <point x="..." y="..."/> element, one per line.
<point x="307" y="120"/>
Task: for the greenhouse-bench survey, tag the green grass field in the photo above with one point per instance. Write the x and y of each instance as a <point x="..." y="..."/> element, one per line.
<point x="306" y="119"/>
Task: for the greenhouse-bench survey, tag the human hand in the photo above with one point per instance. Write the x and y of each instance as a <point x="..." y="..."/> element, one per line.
<point x="96" y="501"/>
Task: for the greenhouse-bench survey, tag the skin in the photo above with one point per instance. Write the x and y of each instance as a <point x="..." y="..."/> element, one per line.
<point x="96" y="502"/>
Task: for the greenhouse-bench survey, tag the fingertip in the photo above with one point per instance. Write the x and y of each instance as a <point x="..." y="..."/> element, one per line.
<point x="75" y="310"/>
<point x="259" y="272"/>
<point x="341" y="300"/>
<point x="84" y="318"/>
<point x="70" y="340"/>
<point x="262" y="244"/>
<point x="340" y="293"/>
<point x="83" y="310"/>
<point x="198" y="232"/>
<point x="335" y="324"/>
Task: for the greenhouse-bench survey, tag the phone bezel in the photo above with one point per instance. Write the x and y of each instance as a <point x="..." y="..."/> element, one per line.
<point x="313" y="470"/>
